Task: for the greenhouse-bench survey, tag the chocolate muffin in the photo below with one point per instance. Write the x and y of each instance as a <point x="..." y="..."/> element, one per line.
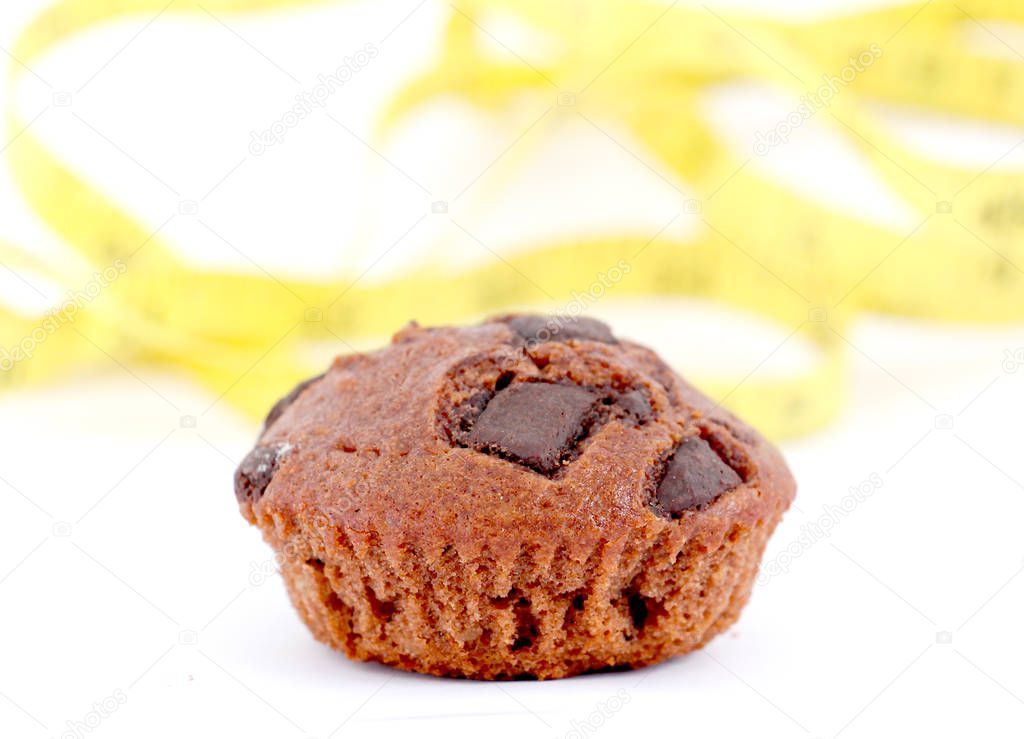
<point x="529" y="497"/>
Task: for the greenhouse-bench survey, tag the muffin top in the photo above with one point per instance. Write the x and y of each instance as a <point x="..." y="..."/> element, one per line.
<point x="525" y="429"/>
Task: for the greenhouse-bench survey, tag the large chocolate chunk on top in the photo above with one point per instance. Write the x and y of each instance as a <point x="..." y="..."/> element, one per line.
<point x="534" y="423"/>
<point x="695" y="475"/>
<point x="539" y="329"/>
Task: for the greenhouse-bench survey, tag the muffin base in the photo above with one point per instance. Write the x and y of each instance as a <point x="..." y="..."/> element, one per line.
<point x="539" y="615"/>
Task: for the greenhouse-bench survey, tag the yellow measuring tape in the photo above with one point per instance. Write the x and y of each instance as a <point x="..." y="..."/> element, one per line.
<point x="639" y="67"/>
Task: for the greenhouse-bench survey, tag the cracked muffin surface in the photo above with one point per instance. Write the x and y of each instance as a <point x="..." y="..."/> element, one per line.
<point x="528" y="497"/>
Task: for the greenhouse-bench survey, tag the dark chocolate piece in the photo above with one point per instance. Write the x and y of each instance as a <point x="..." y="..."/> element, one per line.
<point x="534" y="423"/>
<point x="636" y="406"/>
<point x="540" y="329"/>
<point x="257" y="470"/>
<point x="695" y="475"/>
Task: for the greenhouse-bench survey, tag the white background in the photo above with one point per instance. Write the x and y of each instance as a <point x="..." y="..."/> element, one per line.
<point x="126" y="571"/>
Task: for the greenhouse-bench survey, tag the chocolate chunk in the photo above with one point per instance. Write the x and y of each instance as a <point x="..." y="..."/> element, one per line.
<point x="636" y="406"/>
<point x="534" y="423"/>
<point x="695" y="475"/>
<point x="470" y="410"/>
<point x="282" y="405"/>
<point x="539" y="329"/>
<point x="257" y="470"/>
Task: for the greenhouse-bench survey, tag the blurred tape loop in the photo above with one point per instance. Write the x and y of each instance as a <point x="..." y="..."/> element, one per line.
<point x="616" y="65"/>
